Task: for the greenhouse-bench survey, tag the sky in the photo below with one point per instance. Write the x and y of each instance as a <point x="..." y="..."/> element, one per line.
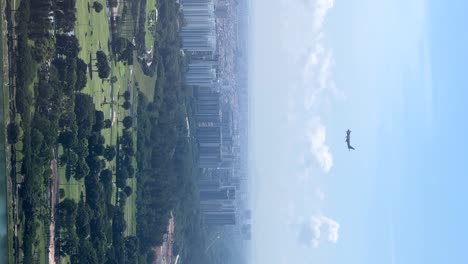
<point x="392" y="71"/>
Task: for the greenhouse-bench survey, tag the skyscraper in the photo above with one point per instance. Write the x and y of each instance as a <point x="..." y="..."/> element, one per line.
<point x="198" y="31"/>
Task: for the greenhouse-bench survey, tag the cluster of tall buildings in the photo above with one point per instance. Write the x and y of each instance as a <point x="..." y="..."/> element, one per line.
<point x="198" y="30"/>
<point x="218" y="157"/>
<point x="219" y="151"/>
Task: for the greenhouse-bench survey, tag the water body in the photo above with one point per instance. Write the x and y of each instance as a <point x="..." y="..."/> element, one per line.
<point x="3" y="186"/>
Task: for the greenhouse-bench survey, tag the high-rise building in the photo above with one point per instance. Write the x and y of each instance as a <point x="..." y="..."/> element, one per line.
<point x="246" y="231"/>
<point x="209" y="157"/>
<point x="201" y="73"/>
<point x="221" y="11"/>
<point x="221" y="217"/>
<point x="208" y="127"/>
<point x="198" y="31"/>
<point x="223" y="193"/>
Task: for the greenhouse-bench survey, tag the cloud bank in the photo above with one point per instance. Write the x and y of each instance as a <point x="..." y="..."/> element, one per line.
<point x="318" y="229"/>
<point x="303" y="38"/>
<point x="316" y="140"/>
<point x="321" y="9"/>
<point x="311" y="85"/>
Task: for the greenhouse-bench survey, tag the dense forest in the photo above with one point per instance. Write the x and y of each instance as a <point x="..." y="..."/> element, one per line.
<point x="58" y="121"/>
<point x="162" y="142"/>
<point x="53" y="112"/>
<point x="165" y="154"/>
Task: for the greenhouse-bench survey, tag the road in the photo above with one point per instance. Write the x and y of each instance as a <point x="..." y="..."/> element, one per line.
<point x="53" y="188"/>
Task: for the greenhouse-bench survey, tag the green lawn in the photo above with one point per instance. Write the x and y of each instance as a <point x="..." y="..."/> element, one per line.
<point x="130" y="205"/>
<point x="149" y="40"/>
<point x="145" y="83"/>
<point x="41" y="247"/>
<point x="72" y="188"/>
<point x="130" y="209"/>
<point x="93" y="34"/>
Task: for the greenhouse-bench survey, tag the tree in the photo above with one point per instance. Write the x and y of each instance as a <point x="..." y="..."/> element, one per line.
<point x="130" y="171"/>
<point x="82" y="222"/>
<point x="126" y="95"/>
<point x="81" y="78"/>
<point x="66" y="209"/>
<point x="128" y="190"/>
<point x="131" y="248"/>
<point x="66" y="16"/>
<point x="84" y="111"/>
<point x="69" y="158"/>
<point x="68" y="242"/>
<point x="81" y="170"/>
<point x="113" y="3"/>
<point x="107" y="123"/>
<point x="82" y="148"/>
<point x="126" y="138"/>
<point x="97" y="6"/>
<point x="126" y="105"/>
<point x="106" y="176"/>
<point x="102" y="64"/>
<point x="121" y="178"/>
<point x="67" y="45"/>
<point x="118" y="43"/>
<point x="113" y="79"/>
<point x="68" y="139"/>
<point x="99" y="121"/>
<point x="96" y="139"/>
<point x="127" y="122"/>
<point x="128" y="150"/>
<point x="109" y="153"/>
<point x="37" y="138"/>
<point x="98" y="149"/>
<point x="43" y="48"/>
<point x="13" y="132"/>
<point x="61" y="193"/>
<point x="67" y="120"/>
<point x="122" y="200"/>
<point x="95" y="165"/>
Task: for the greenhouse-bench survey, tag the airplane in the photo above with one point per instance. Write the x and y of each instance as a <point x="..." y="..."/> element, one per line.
<point x="348" y="133"/>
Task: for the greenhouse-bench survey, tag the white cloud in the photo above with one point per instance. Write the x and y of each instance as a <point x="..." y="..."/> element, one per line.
<point x="316" y="140"/>
<point x="319" y="228"/>
<point x="317" y="78"/>
<point x="321" y="9"/>
<point x="330" y="228"/>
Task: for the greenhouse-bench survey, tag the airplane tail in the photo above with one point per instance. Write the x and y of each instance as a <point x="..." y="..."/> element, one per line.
<point x="350" y="147"/>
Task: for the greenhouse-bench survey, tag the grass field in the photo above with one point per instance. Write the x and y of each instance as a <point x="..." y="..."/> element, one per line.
<point x="150" y="7"/>
<point x="41" y="247"/>
<point x="92" y="32"/>
<point x="130" y="209"/>
<point x="145" y="83"/>
<point x="72" y="188"/>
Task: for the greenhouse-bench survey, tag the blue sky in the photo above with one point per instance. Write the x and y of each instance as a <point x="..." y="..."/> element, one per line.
<point x="393" y="71"/>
